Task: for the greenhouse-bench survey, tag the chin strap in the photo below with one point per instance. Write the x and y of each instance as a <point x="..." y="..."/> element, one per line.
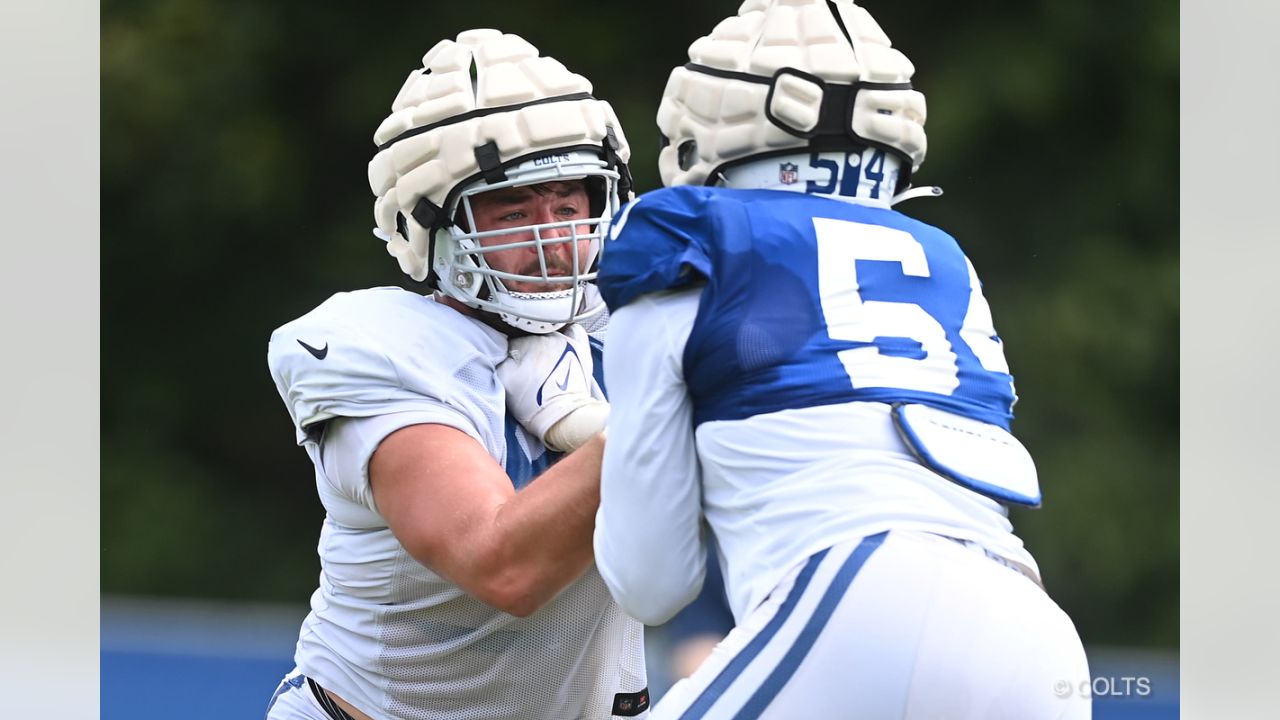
<point x="557" y="309"/>
<point x="520" y="309"/>
<point x="910" y="193"/>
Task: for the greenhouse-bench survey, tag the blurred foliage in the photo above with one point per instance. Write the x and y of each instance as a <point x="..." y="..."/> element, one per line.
<point x="235" y="139"/>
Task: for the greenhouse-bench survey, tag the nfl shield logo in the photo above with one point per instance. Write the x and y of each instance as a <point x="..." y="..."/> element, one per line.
<point x="788" y="173"/>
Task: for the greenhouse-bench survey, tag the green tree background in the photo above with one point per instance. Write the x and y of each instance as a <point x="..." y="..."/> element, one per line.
<point x="235" y="139"/>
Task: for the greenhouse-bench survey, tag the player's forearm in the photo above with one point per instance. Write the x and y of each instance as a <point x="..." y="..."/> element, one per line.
<point x="454" y="510"/>
<point x="651" y="554"/>
<point x="648" y="542"/>
<point x="540" y="539"/>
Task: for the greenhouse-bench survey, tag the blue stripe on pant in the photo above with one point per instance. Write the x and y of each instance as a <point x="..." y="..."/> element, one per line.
<point x="791" y="661"/>
<point x="289" y="683"/>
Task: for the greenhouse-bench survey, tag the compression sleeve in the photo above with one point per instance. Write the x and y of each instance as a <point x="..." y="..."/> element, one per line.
<point x="648" y="539"/>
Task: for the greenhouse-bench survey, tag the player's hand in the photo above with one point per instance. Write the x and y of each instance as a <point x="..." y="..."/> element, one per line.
<point x="548" y="381"/>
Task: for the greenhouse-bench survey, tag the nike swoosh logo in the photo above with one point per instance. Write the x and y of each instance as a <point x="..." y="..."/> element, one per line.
<point x="318" y="352"/>
<point x="551" y="376"/>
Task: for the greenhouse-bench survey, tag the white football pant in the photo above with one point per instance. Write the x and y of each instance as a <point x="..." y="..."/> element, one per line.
<point x="902" y="625"/>
<point x="296" y="700"/>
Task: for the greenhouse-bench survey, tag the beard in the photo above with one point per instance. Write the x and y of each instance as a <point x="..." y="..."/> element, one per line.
<point x="557" y="266"/>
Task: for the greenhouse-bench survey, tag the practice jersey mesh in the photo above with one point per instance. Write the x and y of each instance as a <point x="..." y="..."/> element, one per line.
<point x="385" y="632"/>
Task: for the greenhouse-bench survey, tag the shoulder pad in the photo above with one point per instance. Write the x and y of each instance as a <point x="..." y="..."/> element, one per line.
<point x="376" y="351"/>
<point x="659" y="242"/>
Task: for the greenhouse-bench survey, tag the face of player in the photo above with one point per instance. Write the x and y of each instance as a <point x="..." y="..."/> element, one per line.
<point x="526" y="205"/>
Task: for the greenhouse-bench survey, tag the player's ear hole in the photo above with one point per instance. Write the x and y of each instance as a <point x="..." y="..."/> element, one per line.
<point x="687" y="154"/>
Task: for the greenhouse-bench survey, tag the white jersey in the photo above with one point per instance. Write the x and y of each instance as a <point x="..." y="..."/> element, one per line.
<point x="385" y="632"/>
<point x="775" y="488"/>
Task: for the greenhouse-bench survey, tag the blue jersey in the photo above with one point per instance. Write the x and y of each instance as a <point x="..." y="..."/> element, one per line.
<point x="810" y="301"/>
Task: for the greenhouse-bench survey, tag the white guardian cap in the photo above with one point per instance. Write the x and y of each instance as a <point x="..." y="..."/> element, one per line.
<point x="484" y="112"/>
<point x="784" y="76"/>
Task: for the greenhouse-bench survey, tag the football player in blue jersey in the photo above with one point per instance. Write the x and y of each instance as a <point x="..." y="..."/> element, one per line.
<point x="810" y="382"/>
<point x="453" y="582"/>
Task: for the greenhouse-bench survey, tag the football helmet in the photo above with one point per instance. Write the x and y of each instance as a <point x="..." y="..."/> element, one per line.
<point x="788" y="76"/>
<point x="484" y="112"/>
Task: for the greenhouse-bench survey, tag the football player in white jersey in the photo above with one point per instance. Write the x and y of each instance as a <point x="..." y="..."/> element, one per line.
<point x="810" y="382"/>
<point x="456" y="560"/>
